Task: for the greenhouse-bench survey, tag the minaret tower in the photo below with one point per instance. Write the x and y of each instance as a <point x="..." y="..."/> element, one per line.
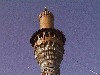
<point x="48" y="43"/>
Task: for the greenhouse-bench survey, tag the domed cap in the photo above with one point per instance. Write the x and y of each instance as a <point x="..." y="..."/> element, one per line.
<point x="46" y="12"/>
<point x="46" y="19"/>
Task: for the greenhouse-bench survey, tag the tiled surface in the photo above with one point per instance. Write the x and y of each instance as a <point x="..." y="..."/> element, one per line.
<point x="78" y="19"/>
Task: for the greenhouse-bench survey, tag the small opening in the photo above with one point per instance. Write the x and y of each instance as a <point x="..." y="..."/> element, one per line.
<point x="51" y="34"/>
<point x="46" y="34"/>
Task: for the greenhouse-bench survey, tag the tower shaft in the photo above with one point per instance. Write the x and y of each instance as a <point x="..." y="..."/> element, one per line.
<point x="48" y="44"/>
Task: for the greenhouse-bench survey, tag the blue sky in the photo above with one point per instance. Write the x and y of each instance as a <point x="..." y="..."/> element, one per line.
<point x="78" y="19"/>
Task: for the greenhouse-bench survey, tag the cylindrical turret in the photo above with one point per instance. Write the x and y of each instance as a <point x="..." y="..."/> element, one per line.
<point x="46" y="19"/>
<point x="48" y="44"/>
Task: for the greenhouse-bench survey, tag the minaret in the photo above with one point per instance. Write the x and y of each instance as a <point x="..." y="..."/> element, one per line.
<point x="48" y="43"/>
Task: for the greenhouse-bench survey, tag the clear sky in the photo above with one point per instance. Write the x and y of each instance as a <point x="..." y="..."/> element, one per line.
<point x="78" y="19"/>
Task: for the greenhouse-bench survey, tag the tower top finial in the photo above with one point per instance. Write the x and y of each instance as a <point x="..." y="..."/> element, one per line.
<point x="45" y="8"/>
